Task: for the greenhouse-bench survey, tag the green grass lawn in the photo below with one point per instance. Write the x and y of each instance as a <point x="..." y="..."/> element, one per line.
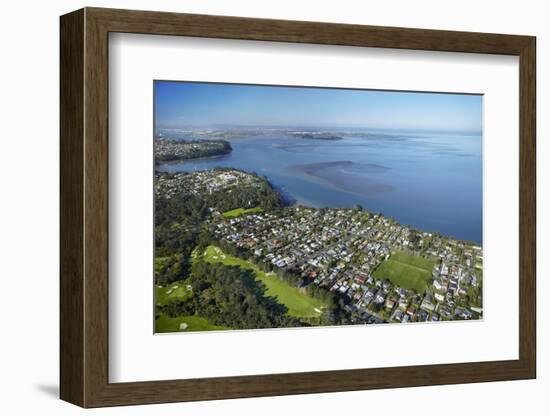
<point x="299" y="304"/>
<point x="194" y="323"/>
<point x="415" y="261"/>
<point x="409" y="272"/>
<point x="241" y="211"/>
<point x="176" y="291"/>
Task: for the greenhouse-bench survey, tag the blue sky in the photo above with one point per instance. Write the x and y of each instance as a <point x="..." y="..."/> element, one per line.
<point x="183" y="104"/>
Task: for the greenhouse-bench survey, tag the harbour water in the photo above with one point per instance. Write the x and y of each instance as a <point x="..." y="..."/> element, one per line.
<point x="432" y="181"/>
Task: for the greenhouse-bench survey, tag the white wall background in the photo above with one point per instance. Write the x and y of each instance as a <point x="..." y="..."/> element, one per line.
<point x="29" y="206"/>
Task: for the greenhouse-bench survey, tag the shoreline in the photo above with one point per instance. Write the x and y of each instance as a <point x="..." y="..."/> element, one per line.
<point x="290" y="200"/>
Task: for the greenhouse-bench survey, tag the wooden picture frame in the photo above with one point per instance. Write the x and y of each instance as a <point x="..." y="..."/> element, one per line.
<point x="84" y="207"/>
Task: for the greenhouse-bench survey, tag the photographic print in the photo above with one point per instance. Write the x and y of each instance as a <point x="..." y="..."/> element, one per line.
<point x="289" y="206"/>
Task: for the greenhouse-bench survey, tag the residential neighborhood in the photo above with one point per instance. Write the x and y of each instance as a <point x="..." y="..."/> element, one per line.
<point x="203" y="182"/>
<point x="341" y="249"/>
<point x="382" y="270"/>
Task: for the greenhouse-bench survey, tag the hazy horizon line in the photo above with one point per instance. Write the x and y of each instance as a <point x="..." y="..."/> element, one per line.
<point x="312" y="127"/>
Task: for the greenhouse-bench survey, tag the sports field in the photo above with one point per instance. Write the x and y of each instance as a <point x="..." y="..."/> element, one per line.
<point x="241" y="211"/>
<point x="299" y="304"/>
<point x="409" y="272"/>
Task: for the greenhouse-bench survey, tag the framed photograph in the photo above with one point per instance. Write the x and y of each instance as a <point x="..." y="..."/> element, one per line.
<point x="257" y="207"/>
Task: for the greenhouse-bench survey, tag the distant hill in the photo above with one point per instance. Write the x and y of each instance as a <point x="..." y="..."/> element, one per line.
<point x="167" y="150"/>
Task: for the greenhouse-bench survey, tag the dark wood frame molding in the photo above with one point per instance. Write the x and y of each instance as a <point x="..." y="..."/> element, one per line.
<point x="84" y="209"/>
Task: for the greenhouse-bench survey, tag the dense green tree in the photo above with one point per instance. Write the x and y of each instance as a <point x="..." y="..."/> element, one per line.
<point x="231" y="296"/>
<point x="179" y="220"/>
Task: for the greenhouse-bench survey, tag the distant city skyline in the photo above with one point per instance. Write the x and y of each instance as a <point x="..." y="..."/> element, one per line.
<point x="194" y="104"/>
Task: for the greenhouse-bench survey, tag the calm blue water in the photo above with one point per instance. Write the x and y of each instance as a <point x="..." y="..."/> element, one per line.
<point x="430" y="181"/>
